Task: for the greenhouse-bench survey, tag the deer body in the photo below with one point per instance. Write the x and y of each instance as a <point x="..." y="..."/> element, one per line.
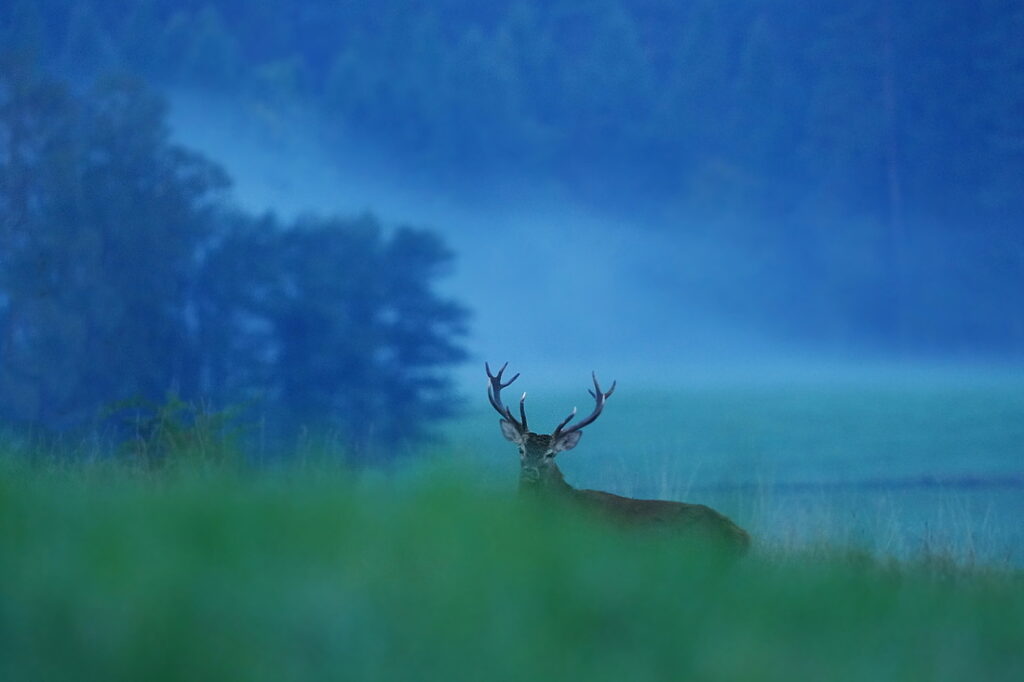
<point x="540" y="477"/>
<point x="632" y="512"/>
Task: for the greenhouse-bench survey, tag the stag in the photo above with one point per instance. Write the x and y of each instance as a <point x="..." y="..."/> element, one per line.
<point x="539" y="475"/>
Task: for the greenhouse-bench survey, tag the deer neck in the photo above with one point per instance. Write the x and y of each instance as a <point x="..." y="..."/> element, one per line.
<point x="551" y="483"/>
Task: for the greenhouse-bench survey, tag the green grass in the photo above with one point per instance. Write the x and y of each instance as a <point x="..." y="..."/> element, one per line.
<point x="112" y="574"/>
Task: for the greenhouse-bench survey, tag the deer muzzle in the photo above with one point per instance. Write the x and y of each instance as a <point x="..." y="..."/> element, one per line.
<point x="529" y="474"/>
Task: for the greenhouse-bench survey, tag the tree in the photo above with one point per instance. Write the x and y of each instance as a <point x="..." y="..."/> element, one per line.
<point x="330" y="325"/>
<point x="104" y="218"/>
<point x="124" y="276"/>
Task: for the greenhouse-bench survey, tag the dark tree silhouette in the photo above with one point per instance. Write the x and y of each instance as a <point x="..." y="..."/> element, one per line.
<point x="103" y="218"/>
<point x="124" y="275"/>
<point x="333" y="324"/>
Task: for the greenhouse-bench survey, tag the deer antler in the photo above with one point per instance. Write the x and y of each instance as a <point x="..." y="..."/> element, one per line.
<point x="599" y="399"/>
<point x="494" y="395"/>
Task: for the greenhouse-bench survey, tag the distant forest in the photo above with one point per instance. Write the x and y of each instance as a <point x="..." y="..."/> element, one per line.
<point x="880" y="106"/>
<point x="872" y="151"/>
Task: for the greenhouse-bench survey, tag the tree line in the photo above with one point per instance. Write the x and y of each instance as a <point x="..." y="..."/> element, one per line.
<point x="784" y="103"/>
<point x="870" y="152"/>
<point x="125" y="273"/>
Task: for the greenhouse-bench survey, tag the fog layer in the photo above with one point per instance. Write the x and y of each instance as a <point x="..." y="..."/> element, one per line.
<point x="555" y="286"/>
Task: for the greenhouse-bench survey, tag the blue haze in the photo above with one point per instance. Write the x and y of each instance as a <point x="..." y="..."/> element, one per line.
<point x="704" y="193"/>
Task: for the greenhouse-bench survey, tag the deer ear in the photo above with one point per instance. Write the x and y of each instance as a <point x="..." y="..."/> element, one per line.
<point x="568" y="441"/>
<point x="510" y="432"/>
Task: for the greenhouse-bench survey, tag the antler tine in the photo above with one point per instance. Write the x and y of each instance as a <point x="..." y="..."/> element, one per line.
<point x="599" y="400"/>
<point x="501" y="371"/>
<point x="558" y="429"/>
<point x="494" y="396"/>
<point x="597" y="388"/>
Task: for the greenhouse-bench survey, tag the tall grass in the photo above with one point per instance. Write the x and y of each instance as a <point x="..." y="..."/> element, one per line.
<point x="175" y="559"/>
<point x="118" y="573"/>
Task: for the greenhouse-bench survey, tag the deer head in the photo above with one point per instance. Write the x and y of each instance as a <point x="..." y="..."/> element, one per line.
<point x="537" y="451"/>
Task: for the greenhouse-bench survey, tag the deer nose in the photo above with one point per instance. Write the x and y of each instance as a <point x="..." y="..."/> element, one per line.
<point x="531" y="474"/>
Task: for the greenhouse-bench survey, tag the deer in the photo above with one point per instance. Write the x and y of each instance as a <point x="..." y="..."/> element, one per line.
<point x="540" y="477"/>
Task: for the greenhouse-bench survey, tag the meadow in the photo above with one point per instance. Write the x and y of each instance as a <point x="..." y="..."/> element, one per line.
<point x="894" y="463"/>
<point x="206" y="568"/>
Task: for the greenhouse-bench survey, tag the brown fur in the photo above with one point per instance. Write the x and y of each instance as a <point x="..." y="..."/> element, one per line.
<point x="692" y="520"/>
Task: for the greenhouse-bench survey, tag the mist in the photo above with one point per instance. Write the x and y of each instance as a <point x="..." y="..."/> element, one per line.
<point x="562" y="286"/>
<point x="667" y="195"/>
<point x="553" y="284"/>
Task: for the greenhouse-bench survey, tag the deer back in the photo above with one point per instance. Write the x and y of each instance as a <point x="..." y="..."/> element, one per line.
<point x="690" y="519"/>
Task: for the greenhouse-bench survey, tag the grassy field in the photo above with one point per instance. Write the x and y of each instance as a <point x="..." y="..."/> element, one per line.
<point x="118" y="575"/>
<point x="885" y="519"/>
<point x="895" y="466"/>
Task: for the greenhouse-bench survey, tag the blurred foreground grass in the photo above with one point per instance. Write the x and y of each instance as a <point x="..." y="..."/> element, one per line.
<point x="216" y="575"/>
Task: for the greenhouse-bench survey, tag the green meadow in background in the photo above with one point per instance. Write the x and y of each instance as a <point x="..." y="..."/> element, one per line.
<point x="894" y="463"/>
